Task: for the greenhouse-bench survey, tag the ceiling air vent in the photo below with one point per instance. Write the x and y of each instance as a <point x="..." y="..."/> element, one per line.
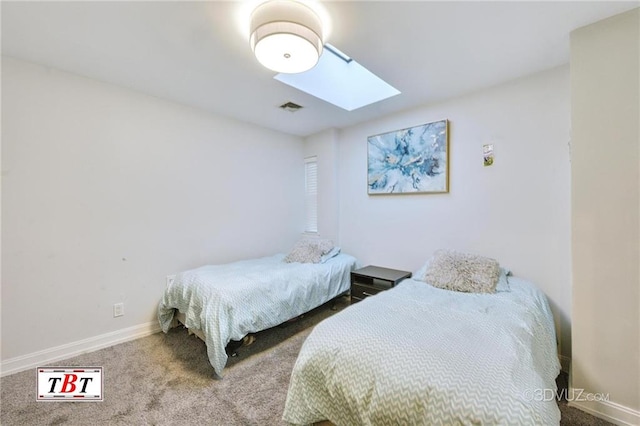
<point x="290" y="106"/>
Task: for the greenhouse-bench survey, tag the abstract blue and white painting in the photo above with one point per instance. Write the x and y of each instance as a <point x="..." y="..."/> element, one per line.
<point x="410" y="160"/>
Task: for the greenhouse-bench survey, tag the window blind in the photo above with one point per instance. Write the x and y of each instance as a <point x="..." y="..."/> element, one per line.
<point x="311" y="194"/>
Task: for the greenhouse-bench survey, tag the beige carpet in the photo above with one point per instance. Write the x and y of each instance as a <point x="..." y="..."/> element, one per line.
<point x="167" y="380"/>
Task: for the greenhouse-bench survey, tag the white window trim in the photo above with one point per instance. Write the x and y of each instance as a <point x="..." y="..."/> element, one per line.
<point x="311" y="195"/>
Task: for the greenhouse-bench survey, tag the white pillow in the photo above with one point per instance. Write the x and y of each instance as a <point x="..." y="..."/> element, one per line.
<point x="503" y="281"/>
<point x="332" y="253"/>
<point x="452" y="270"/>
<point x="309" y="250"/>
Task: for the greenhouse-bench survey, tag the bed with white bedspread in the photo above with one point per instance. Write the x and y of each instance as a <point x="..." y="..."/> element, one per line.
<point x="227" y="302"/>
<point x="420" y="355"/>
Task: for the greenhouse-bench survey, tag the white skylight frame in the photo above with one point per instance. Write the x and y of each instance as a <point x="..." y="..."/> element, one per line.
<point x="341" y="81"/>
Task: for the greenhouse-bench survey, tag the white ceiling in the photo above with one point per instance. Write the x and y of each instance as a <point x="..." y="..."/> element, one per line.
<point x="196" y="53"/>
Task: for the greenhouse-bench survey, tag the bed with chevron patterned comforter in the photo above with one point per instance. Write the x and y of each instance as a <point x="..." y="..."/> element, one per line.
<point x="418" y="355"/>
<point x="227" y="302"/>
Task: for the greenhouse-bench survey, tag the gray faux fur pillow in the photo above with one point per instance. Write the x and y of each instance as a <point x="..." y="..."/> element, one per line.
<point x="309" y="250"/>
<point x="451" y="270"/>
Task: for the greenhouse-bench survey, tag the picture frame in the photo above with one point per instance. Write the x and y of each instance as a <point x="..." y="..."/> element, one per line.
<point x="414" y="160"/>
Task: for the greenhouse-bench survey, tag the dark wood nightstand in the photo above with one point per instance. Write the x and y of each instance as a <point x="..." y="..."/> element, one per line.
<point x="370" y="280"/>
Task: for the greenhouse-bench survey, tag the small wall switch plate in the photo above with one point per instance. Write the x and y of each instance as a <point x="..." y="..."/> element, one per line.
<point x="118" y="310"/>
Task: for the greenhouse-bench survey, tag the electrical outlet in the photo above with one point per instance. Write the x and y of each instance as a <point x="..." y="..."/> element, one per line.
<point x="118" y="310"/>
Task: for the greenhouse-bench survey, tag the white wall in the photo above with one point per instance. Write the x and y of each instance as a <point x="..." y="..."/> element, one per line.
<point x="605" y="99"/>
<point x="105" y="191"/>
<point x="517" y="210"/>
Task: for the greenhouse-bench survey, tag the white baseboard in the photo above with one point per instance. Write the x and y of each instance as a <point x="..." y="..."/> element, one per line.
<point x="610" y="411"/>
<point x="41" y="358"/>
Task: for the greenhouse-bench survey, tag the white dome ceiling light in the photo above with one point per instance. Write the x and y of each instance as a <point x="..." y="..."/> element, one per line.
<point x="286" y="36"/>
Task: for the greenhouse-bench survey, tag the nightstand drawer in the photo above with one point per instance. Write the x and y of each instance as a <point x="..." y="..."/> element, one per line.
<point x="362" y="291"/>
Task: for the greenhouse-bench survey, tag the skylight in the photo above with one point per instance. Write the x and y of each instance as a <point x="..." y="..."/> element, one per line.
<point x="341" y="81"/>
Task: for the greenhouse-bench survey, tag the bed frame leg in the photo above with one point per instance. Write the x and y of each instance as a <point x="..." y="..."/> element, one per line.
<point x="174" y="323"/>
<point x="334" y="302"/>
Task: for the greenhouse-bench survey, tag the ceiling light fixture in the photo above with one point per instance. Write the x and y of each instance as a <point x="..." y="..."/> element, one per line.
<point x="286" y="36"/>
